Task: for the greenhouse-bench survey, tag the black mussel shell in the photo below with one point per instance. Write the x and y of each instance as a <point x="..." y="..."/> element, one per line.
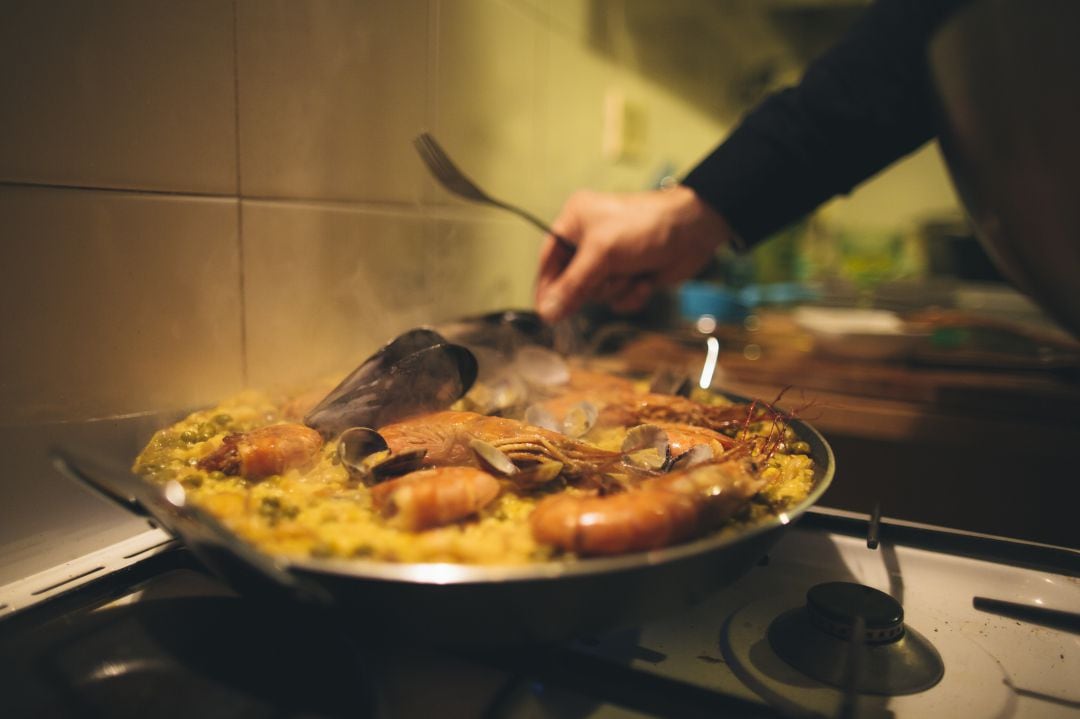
<point x="398" y="464"/>
<point x="503" y="331"/>
<point x="379" y="363"/>
<point x="384" y="390"/>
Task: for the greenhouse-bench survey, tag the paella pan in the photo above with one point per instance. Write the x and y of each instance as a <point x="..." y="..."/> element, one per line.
<point x="470" y="485"/>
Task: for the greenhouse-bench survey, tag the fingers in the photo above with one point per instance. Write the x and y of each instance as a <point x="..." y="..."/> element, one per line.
<point x="554" y="257"/>
<point x="638" y="291"/>
<point x="612" y="289"/>
<point x="566" y="293"/>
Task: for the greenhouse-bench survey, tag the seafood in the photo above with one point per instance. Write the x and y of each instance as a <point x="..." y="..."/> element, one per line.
<point x="417" y="372"/>
<point x="447" y="435"/>
<point x="684" y="437"/>
<point x="434" y="497"/>
<point x="660" y="512"/>
<point x="265" y="451"/>
<point x="621" y="404"/>
<point x="364" y="455"/>
<point x="727" y="420"/>
<point x="383" y="468"/>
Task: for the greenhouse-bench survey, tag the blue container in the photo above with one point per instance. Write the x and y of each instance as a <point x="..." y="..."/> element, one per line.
<point x="705" y="298"/>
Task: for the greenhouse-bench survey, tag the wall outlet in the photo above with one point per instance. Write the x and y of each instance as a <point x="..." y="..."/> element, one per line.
<point x="624" y="134"/>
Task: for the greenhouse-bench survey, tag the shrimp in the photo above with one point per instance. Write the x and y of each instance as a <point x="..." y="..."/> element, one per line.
<point x="682" y="437"/>
<point x="662" y="511"/>
<point x="434" y="497"/>
<point x="264" y="451"/>
<point x="621" y="404"/>
<point x="446" y="436"/>
<point x="654" y="408"/>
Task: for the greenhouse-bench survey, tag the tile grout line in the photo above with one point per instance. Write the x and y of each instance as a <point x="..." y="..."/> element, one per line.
<point x="244" y="369"/>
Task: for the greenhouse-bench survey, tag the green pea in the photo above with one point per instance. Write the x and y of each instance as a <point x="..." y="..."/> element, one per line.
<point x="189" y="437"/>
<point x="192" y="481"/>
<point x="222" y="419"/>
<point x="322" y="550"/>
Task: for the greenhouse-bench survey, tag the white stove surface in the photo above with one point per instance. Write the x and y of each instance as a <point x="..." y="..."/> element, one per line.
<point x="994" y="666"/>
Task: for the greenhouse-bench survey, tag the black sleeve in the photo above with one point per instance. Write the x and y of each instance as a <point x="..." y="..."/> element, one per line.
<point x="865" y="103"/>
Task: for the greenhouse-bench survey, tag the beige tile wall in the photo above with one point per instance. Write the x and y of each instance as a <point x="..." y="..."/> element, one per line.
<point x="205" y="194"/>
<point x="119" y="94"/>
<point x="116" y="302"/>
<point x="331" y="93"/>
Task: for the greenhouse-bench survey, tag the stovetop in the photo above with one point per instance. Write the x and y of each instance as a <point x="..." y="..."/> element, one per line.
<point x="162" y="638"/>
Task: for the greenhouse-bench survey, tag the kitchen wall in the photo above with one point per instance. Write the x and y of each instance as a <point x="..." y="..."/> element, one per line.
<point x="202" y="195"/>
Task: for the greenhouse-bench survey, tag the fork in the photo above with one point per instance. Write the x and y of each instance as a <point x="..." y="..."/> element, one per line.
<point x="454" y="180"/>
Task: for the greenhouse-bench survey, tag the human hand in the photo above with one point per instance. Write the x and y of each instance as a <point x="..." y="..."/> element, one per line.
<point x="628" y="245"/>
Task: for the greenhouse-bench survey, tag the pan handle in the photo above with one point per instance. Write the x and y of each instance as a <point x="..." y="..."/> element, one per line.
<point x="233" y="560"/>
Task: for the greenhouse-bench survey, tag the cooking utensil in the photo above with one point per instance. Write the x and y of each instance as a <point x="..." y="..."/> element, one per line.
<point x="453" y="179"/>
<point x="462" y="604"/>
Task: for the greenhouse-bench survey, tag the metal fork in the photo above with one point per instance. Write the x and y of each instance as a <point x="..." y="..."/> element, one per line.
<point x="454" y="180"/>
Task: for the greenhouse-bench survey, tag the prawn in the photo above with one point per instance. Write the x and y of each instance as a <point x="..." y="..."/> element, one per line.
<point x="265" y="451"/>
<point x="661" y="511"/>
<point x="446" y="437"/>
<point x="433" y="497"/>
<point x="682" y="437"/>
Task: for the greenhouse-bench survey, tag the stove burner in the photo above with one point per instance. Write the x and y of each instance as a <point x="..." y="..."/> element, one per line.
<point x="834" y="606"/>
<point x="816" y="640"/>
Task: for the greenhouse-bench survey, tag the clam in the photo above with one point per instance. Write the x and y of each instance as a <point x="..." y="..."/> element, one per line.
<point x="698" y="454"/>
<point x="367" y="458"/>
<point x="645" y="447"/>
<point x="538" y="416"/>
<point x="499" y="394"/>
<point x="541" y="367"/>
<point x="398" y="464"/>
<point x="537" y="475"/>
<point x="492" y="458"/>
<point x="580" y="419"/>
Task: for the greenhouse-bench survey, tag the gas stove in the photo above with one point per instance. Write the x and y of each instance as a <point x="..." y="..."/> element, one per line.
<point x="929" y="622"/>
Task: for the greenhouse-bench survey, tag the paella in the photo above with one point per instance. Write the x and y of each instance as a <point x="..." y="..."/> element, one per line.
<point x="432" y="451"/>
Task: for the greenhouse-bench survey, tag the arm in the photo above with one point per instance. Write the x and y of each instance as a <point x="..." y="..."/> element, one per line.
<point x="861" y="106"/>
<point x="865" y="103"/>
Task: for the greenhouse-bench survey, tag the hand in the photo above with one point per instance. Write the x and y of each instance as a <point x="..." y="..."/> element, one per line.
<point x="628" y="245"/>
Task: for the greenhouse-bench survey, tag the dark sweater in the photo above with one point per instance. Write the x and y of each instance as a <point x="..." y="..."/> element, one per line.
<point x="864" y="104"/>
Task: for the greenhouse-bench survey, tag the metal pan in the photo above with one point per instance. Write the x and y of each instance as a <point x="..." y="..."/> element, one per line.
<point x="464" y="605"/>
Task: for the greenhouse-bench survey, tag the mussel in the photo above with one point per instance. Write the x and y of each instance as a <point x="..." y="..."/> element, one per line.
<point x="501" y="331"/>
<point x="417" y="372"/>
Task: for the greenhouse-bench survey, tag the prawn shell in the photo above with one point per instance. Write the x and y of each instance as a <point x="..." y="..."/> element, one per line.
<point x="434" y="497"/>
<point x="265" y="451"/>
<point x="664" y="510"/>
<point x="634" y="521"/>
